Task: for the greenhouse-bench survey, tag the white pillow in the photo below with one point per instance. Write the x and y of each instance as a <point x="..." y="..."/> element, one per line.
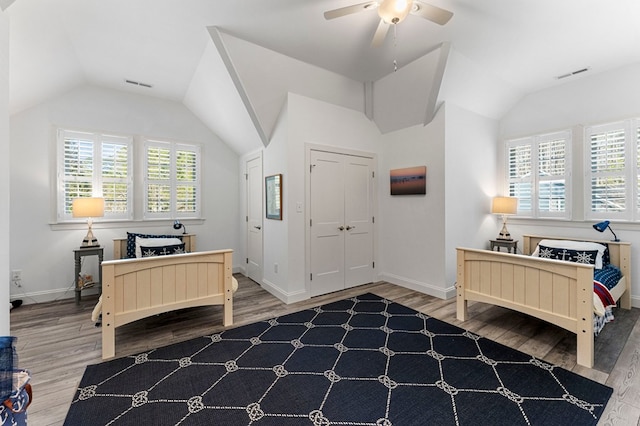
<point x="154" y="242"/>
<point x="573" y="245"/>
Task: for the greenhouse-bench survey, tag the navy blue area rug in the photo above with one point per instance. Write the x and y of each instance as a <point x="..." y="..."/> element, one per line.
<point x="360" y="361"/>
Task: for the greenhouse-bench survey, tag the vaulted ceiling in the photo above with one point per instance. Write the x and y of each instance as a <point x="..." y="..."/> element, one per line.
<point x="197" y="51"/>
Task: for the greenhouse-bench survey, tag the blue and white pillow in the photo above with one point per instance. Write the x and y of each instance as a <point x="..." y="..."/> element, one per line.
<point x="587" y="257"/>
<point x="131" y="241"/>
<point x="162" y="250"/>
<point x="572" y="245"/>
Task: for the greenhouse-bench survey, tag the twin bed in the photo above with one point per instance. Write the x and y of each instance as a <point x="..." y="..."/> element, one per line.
<point x="556" y="291"/>
<point x="136" y="288"/>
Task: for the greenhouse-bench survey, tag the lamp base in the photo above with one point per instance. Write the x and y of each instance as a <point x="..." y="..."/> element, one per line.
<point x="89" y="243"/>
<point x="89" y="240"/>
<point x="504" y="233"/>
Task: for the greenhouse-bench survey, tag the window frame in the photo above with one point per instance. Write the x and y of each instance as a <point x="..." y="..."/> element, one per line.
<point x="97" y="179"/>
<point x="173" y="212"/>
<point x="534" y="142"/>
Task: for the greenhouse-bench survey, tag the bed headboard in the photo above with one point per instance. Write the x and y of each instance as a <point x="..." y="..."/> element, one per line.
<point x="619" y="251"/>
<point x="120" y="245"/>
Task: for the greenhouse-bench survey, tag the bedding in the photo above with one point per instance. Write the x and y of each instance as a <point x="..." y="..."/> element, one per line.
<point x="605" y="275"/>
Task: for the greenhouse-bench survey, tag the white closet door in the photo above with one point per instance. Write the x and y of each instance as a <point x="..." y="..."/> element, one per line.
<point x="341" y="221"/>
<point x="327" y="223"/>
<point x="358" y="187"/>
<point x="254" y="219"/>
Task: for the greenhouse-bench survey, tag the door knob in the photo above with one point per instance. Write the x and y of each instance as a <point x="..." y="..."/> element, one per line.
<point x="258" y="227"/>
<point x="341" y="228"/>
<point x="350" y="227"/>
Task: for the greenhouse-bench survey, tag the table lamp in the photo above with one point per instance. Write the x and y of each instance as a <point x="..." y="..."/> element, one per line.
<point x="504" y="206"/>
<point x="88" y="207"/>
<point x="601" y="226"/>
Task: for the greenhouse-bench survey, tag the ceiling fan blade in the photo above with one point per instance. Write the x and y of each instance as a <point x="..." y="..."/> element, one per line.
<point x="381" y="33"/>
<point x="431" y="13"/>
<point x="336" y="13"/>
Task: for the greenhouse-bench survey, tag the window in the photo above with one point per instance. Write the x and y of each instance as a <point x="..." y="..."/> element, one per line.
<point x="93" y="164"/>
<point x="172" y="180"/>
<point x="538" y="174"/>
<point x="612" y="178"/>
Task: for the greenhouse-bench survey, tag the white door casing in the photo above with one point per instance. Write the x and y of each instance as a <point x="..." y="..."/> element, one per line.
<point x="254" y="219"/>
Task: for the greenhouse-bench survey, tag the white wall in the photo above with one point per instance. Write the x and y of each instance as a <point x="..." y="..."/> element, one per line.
<point x="592" y="99"/>
<point x="470" y="181"/>
<point x="412" y="227"/>
<point x="419" y="234"/>
<point x="5" y="161"/>
<point x="44" y="253"/>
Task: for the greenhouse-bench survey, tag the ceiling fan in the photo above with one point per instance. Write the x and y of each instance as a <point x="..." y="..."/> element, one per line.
<point x="393" y="12"/>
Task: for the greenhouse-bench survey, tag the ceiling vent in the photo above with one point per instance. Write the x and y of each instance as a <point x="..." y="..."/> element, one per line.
<point x="571" y="74"/>
<point x="137" y="83"/>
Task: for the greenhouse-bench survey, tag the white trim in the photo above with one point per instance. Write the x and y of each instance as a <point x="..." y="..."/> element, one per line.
<point x="284" y="296"/>
<point x="431" y="290"/>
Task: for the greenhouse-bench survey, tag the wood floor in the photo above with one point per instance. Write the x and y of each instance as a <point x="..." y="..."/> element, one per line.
<point x="57" y="340"/>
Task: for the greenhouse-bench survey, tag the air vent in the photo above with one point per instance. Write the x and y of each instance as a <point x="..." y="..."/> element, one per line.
<point x="572" y="73"/>
<point x="137" y="83"/>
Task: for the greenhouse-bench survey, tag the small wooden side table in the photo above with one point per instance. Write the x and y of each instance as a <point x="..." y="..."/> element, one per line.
<point x="79" y="253"/>
<point x="510" y="245"/>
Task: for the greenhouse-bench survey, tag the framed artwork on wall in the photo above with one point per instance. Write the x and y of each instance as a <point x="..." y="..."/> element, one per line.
<point x="408" y="181"/>
<point x="273" y="188"/>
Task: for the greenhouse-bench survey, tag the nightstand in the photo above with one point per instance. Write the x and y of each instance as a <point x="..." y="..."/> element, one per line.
<point x="79" y="254"/>
<point x="510" y="245"/>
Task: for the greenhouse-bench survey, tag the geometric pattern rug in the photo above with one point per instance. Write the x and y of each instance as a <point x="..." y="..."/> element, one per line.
<point x="360" y="361"/>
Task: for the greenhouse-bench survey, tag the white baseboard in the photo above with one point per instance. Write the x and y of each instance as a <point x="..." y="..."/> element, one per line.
<point x="286" y="297"/>
<point x="635" y="301"/>
<point x="29" y="298"/>
<point x="431" y="290"/>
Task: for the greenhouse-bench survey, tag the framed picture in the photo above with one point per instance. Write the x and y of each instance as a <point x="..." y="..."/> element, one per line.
<point x="409" y="181"/>
<point x="273" y="188"/>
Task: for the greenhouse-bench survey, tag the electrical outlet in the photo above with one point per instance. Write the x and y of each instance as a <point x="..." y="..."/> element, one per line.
<point x="16" y="277"/>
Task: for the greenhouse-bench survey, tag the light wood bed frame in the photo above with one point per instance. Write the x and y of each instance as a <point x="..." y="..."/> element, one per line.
<point x="555" y="291"/>
<point x="133" y="289"/>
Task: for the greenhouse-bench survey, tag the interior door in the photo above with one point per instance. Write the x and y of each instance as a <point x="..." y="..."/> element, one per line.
<point x="341" y="208"/>
<point x="254" y="219"/>
<point x="327" y="223"/>
<point x="358" y="217"/>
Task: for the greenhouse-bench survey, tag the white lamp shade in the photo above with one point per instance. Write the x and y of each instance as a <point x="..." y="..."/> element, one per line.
<point x="394" y="11"/>
<point x="504" y="205"/>
<point x="88" y="207"/>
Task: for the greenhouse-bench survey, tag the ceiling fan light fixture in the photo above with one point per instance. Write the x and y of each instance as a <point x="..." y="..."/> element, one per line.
<point x="394" y="11"/>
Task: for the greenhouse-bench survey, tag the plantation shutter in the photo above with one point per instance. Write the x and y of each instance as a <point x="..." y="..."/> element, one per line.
<point x="187" y="180"/>
<point x="76" y="176"/>
<point x="607" y="171"/>
<point x="553" y="174"/>
<point x="538" y="174"/>
<point x="172" y="180"/>
<point x="94" y="165"/>
<point x="520" y="176"/>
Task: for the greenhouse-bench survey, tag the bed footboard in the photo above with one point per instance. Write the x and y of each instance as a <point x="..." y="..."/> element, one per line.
<point x="138" y="288"/>
<point x="557" y="292"/>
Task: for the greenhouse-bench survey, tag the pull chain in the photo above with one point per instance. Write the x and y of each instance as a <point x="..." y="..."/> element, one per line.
<point x="395" y="44"/>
